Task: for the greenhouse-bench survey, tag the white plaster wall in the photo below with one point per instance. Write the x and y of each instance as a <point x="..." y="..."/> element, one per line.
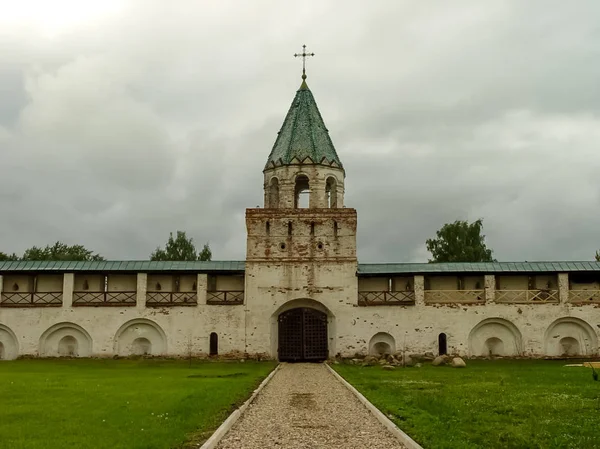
<point x="270" y="286"/>
<point x="187" y="329"/>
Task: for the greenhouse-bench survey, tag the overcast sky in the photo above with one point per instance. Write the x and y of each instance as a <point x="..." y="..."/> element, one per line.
<point x="121" y="121"/>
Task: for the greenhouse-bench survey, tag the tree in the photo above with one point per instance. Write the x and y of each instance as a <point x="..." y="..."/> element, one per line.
<point x="206" y="253"/>
<point x="459" y="242"/>
<point x="181" y="248"/>
<point x="4" y="256"/>
<point x="60" y="251"/>
<point x="597" y="256"/>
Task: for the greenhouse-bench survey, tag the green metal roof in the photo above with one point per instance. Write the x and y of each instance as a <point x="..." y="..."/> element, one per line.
<point x="303" y="137"/>
<point x="125" y="265"/>
<point x="364" y="269"/>
<point x="374" y="269"/>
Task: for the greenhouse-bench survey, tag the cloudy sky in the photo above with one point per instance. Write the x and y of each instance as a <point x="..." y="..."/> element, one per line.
<point x="121" y="121"/>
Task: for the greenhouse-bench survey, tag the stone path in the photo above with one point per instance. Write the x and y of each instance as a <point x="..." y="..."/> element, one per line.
<point x="305" y="406"/>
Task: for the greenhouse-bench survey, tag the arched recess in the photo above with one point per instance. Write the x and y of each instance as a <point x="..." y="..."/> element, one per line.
<point x="274" y="193"/>
<point x="570" y="336"/>
<point x="9" y="345"/>
<point x="495" y="337"/>
<point x="382" y="343"/>
<point x="140" y="337"/>
<point x="213" y="344"/>
<point x="65" y="340"/>
<point x="301" y="192"/>
<point x="297" y="303"/>
<point x="331" y="192"/>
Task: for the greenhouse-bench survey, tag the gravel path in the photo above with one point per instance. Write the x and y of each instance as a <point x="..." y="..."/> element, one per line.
<point x="304" y="406"/>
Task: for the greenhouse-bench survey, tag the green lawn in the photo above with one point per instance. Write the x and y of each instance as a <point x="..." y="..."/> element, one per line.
<point x="490" y="404"/>
<point x="119" y="403"/>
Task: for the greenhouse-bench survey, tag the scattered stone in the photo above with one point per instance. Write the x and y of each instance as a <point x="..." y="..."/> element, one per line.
<point x="383" y="362"/>
<point x="457" y="362"/>
<point x="388" y="367"/>
<point x="370" y="359"/>
<point x="439" y="361"/>
<point x="418" y="365"/>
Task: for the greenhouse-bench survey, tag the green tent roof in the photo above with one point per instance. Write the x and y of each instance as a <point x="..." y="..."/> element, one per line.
<point x="303" y="137"/>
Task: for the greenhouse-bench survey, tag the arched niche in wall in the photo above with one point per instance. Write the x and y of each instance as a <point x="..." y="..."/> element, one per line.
<point x="65" y="340"/>
<point x="10" y="346"/>
<point x="140" y="337"/>
<point x="570" y="336"/>
<point x="495" y="337"/>
<point x="382" y="343"/>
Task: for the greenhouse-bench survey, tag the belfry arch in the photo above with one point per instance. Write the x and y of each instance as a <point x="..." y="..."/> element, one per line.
<point x="331" y="192"/>
<point x="273" y="194"/>
<point x="302" y="192"/>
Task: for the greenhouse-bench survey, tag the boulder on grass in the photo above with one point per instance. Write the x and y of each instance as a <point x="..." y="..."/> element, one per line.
<point x="457" y="362"/>
<point x="439" y="361"/>
<point x="388" y="367"/>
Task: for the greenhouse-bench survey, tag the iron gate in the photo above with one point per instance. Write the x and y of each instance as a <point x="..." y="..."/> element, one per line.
<point x="303" y="335"/>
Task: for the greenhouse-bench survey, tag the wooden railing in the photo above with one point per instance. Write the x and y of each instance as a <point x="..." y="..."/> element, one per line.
<point x="527" y="296"/>
<point x="584" y="296"/>
<point x="230" y="297"/>
<point x="121" y="298"/>
<point x="166" y="299"/>
<point x="454" y="296"/>
<point x="28" y="299"/>
<point x="371" y="298"/>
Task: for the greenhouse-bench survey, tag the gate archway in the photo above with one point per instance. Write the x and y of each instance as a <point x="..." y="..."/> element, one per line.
<point x="302" y="335"/>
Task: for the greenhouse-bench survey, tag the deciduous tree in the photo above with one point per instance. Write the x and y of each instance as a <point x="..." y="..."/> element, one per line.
<point x="459" y="242"/>
<point x="4" y="256"/>
<point x="181" y="248"/>
<point x="60" y="251"/>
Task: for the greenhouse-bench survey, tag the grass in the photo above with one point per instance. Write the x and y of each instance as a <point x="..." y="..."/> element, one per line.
<point x="490" y="404"/>
<point x="119" y="403"/>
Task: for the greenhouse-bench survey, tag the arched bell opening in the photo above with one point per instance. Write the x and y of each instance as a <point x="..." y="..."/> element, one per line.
<point x="273" y="193"/>
<point x="302" y="192"/>
<point x="331" y="192"/>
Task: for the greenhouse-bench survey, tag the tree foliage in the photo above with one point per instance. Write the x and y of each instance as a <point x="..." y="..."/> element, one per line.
<point x="4" y="256"/>
<point x="459" y="242"/>
<point x="60" y="251"/>
<point x="181" y="248"/>
<point x="597" y="256"/>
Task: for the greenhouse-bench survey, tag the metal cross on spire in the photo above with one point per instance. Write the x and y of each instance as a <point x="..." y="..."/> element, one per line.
<point x="304" y="55"/>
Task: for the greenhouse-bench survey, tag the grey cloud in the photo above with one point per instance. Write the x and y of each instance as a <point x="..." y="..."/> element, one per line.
<point x="160" y="117"/>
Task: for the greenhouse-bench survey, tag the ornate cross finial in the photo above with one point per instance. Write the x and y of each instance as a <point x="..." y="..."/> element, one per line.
<point x="304" y="55"/>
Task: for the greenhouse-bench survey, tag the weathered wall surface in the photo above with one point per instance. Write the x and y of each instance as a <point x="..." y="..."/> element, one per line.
<point x="497" y="329"/>
<point x="107" y="330"/>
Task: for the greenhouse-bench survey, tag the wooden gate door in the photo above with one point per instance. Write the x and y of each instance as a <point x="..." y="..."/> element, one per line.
<point x="303" y="335"/>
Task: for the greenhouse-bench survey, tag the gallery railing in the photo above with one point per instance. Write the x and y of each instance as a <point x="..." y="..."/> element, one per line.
<point x="27" y="299"/>
<point x="229" y="297"/>
<point x="527" y="296"/>
<point x="584" y="296"/>
<point x="379" y="298"/>
<point x="166" y="299"/>
<point x="116" y="298"/>
<point x="454" y="296"/>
